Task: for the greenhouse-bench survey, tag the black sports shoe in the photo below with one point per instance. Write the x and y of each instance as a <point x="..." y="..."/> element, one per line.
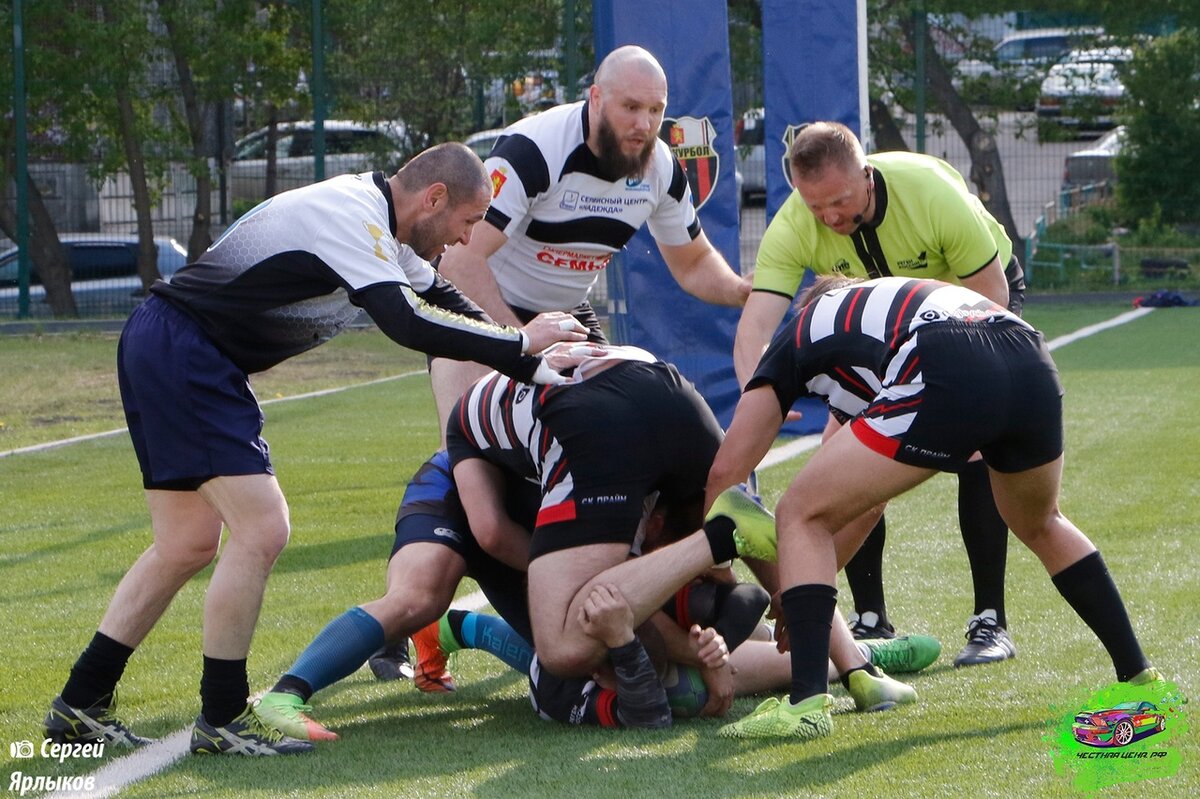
<point x="391" y="662"/>
<point x="987" y="642"/>
<point x="245" y="735"/>
<point x="66" y="724"/>
<point x="869" y="625"/>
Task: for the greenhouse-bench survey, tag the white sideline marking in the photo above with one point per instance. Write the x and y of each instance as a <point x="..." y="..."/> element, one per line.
<point x="1084" y="332"/>
<point x="143" y="763"/>
<point x="121" y="772"/>
<point x="91" y="436"/>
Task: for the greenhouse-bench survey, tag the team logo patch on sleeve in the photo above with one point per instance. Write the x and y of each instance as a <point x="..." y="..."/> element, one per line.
<point x="498" y="177"/>
<point x="691" y="141"/>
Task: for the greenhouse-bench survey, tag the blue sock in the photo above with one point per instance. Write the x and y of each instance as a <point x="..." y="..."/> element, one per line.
<point x="493" y="634"/>
<point x="338" y="650"/>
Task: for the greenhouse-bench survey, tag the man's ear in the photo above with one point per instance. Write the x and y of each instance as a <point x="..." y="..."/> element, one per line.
<point x="436" y="196"/>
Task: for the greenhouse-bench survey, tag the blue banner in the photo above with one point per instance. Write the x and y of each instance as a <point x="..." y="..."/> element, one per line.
<point x="819" y="40"/>
<point x="647" y="307"/>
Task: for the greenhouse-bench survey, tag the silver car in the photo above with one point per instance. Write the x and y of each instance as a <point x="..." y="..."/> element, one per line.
<point x="349" y="147"/>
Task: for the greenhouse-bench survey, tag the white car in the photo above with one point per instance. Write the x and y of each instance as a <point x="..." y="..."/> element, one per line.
<point x="1018" y="62"/>
<point x="349" y="147"/>
<point x="1093" y="165"/>
<point x="483" y="141"/>
<point x="1084" y="90"/>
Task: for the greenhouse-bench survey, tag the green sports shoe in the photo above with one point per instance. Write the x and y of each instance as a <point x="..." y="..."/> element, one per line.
<point x="754" y="532"/>
<point x="1147" y="676"/>
<point x="1166" y="694"/>
<point x="779" y="718"/>
<point x="288" y="714"/>
<point x="872" y="694"/>
<point x="245" y="735"/>
<point x="902" y="655"/>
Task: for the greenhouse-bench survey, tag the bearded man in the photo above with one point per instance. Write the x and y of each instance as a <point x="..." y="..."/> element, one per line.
<point x="570" y="186"/>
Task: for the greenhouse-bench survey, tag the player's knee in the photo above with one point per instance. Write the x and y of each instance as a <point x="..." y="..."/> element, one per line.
<point x="403" y="611"/>
<point x="566" y="661"/>
<point x="266" y="539"/>
<point x="187" y="558"/>
<point x="798" y="508"/>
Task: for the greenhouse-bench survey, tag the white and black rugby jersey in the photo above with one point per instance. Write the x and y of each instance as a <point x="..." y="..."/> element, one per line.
<point x="844" y="346"/>
<point x="563" y="219"/>
<point x="294" y="271"/>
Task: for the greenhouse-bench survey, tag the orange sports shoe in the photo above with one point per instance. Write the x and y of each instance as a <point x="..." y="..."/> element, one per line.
<point x="431" y="675"/>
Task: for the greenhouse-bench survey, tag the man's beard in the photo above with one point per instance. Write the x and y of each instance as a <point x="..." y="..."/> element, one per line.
<point x="613" y="162"/>
<point x="426" y="239"/>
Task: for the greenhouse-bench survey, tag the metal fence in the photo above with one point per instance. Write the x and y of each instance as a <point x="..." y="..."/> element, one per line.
<point x="251" y="146"/>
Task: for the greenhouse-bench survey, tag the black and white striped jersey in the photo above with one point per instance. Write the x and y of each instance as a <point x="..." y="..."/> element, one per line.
<point x="294" y="271"/>
<point x="849" y="343"/>
<point x="563" y="219"/>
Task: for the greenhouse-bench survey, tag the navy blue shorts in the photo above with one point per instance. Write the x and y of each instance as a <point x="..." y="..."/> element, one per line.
<point x="191" y="412"/>
<point x="432" y="513"/>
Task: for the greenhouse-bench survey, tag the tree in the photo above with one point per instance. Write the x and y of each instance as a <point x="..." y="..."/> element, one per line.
<point x="426" y="65"/>
<point x="1159" y="162"/>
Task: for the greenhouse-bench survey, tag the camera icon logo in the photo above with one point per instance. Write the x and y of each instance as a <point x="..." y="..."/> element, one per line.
<point x="20" y="749"/>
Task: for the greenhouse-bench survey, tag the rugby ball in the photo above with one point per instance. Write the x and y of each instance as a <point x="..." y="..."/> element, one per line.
<point x="686" y="692"/>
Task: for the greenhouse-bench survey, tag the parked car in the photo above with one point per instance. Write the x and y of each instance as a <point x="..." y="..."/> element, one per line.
<point x="349" y="147"/>
<point x="1118" y="725"/>
<point x="1083" y="90"/>
<point x="1018" y="63"/>
<point x="103" y="269"/>
<point x="483" y="141"/>
<point x="751" y="151"/>
<point x="1094" y="164"/>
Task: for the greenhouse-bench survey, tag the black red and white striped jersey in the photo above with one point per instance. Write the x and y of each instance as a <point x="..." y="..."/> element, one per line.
<point x="500" y="418"/>
<point x="563" y="218"/>
<point x="847" y="344"/>
<point x="294" y="271"/>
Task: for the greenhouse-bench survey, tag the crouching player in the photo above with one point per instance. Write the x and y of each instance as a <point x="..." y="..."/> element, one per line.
<point x="938" y="372"/>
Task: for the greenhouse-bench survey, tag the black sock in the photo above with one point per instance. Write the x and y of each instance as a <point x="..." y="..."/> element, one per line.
<point x="96" y="673"/>
<point x="719" y="531"/>
<point x="985" y="536"/>
<point x="1089" y="589"/>
<point x="808" y="610"/>
<point x="455" y="619"/>
<point x="291" y="684"/>
<point x="868" y="667"/>
<point x="864" y="574"/>
<point x="224" y="690"/>
<point x="641" y="698"/>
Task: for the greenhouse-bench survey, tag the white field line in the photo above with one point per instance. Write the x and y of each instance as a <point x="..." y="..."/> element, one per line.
<point x="123" y="771"/>
<point x="92" y="436"/>
<point x="1084" y="332"/>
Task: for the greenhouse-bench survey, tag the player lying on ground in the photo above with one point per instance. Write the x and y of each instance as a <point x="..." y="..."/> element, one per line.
<point x="433" y="552"/>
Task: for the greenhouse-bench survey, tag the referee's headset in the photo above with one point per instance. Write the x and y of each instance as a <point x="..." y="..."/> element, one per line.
<point x="858" y="218"/>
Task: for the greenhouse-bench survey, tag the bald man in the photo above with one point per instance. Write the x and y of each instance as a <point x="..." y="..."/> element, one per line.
<point x="570" y="186"/>
<point x="286" y="277"/>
